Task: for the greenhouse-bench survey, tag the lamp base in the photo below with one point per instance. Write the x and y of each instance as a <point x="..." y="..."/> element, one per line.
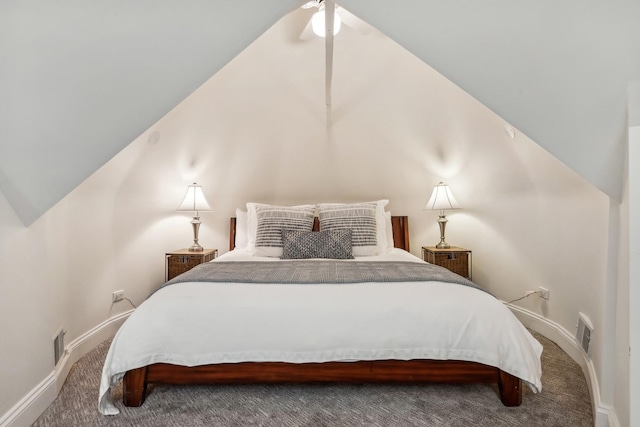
<point x="195" y="222"/>
<point x="442" y="222"/>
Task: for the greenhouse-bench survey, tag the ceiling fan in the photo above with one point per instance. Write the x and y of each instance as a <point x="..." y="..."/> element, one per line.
<point x="316" y="24"/>
<point x="312" y="3"/>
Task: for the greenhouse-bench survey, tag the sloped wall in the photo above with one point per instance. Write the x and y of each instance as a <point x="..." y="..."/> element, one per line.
<point x="256" y="132"/>
<point x="70" y="68"/>
<point x="558" y="71"/>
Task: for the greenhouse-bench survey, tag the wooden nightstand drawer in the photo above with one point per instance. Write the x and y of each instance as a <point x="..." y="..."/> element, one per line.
<point x="183" y="260"/>
<point x="454" y="259"/>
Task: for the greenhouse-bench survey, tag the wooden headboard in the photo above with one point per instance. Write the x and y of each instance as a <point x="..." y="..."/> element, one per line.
<point x="400" y="225"/>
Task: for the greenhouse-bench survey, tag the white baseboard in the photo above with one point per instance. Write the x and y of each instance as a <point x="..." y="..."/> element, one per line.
<point x="30" y="407"/>
<point x="603" y="415"/>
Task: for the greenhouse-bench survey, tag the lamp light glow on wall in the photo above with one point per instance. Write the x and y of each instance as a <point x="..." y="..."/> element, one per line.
<point x="318" y="24"/>
<point x="194" y="201"/>
<point x="442" y="199"/>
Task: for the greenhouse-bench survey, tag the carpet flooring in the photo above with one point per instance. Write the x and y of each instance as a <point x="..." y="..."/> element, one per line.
<point x="564" y="401"/>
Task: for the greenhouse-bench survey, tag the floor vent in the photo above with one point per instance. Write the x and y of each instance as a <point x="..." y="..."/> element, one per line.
<point x="584" y="332"/>
<point x="58" y="345"/>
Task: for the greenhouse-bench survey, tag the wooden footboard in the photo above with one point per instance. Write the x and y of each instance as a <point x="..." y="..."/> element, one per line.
<point x="411" y="371"/>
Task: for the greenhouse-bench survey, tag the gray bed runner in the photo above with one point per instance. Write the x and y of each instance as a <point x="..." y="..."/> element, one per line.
<point x="309" y="272"/>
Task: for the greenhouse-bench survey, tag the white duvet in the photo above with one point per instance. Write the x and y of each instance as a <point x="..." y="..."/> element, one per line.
<point x="198" y="323"/>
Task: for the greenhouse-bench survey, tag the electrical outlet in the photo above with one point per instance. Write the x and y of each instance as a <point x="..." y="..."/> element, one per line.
<point x="117" y="296"/>
<point x="544" y="293"/>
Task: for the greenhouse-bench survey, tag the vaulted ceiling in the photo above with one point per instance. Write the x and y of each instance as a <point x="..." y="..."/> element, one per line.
<point x="79" y="81"/>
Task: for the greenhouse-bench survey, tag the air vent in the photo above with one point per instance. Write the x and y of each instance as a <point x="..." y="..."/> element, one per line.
<point x="584" y="332"/>
<point x="58" y="345"/>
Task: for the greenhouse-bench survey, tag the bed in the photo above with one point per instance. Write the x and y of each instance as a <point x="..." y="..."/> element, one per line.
<point x="241" y="331"/>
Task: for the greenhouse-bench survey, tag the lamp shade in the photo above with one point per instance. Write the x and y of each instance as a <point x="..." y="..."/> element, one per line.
<point x="441" y="198"/>
<point x="318" y="24"/>
<point x="194" y="200"/>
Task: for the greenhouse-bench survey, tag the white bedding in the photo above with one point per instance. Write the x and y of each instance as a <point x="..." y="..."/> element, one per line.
<point x="198" y="323"/>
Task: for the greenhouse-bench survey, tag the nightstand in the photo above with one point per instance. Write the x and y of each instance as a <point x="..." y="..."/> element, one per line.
<point x="454" y="258"/>
<point x="177" y="262"/>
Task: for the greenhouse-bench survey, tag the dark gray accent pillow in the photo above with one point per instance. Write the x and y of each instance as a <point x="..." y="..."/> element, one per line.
<point x="333" y="244"/>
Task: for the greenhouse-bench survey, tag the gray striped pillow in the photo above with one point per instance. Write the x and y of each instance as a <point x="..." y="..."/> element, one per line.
<point x="271" y="220"/>
<point x="360" y="218"/>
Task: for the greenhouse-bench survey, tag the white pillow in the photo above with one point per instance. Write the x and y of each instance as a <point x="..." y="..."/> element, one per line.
<point x="265" y="224"/>
<point x="389" y="229"/>
<point x="381" y="226"/>
<point x="242" y="237"/>
<point x="366" y="221"/>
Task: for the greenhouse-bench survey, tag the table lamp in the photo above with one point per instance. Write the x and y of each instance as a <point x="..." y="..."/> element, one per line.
<point x="442" y="199"/>
<point x="194" y="201"/>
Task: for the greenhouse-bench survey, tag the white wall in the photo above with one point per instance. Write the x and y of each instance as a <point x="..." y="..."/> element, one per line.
<point x="623" y="346"/>
<point x="256" y="132"/>
<point x="629" y="264"/>
<point x="26" y="347"/>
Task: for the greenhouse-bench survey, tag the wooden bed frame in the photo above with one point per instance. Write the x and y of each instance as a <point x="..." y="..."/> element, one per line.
<point x="407" y="371"/>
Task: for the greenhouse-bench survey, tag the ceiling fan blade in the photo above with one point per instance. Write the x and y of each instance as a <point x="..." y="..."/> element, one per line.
<point x="302" y="4"/>
<point x="309" y="4"/>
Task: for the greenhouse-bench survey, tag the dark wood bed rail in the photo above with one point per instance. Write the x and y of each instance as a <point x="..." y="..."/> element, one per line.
<point x="391" y="371"/>
<point x="399" y="224"/>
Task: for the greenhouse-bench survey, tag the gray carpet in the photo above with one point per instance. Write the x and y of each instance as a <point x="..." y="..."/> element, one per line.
<point x="564" y="402"/>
